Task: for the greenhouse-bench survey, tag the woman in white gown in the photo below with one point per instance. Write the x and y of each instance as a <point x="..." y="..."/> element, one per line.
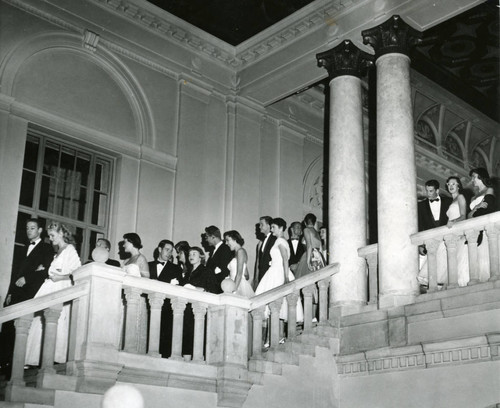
<point x="238" y="271"/>
<point x="65" y="262"/>
<point x="482" y="203"/>
<point x="457" y="211"/>
<point x="279" y="272"/>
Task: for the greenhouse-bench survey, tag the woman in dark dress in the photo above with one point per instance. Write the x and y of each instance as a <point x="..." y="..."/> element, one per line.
<point x="200" y="278"/>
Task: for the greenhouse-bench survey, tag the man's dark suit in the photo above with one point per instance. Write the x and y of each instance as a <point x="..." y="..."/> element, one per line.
<point x="220" y="259"/>
<point x="426" y="220"/>
<point x="170" y="271"/>
<point x="295" y="255"/>
<point x="265" y="256"/>
<point x="42" y="254"/>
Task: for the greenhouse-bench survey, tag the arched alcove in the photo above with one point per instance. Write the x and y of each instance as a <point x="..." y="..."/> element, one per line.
<point x="312" y="197"/>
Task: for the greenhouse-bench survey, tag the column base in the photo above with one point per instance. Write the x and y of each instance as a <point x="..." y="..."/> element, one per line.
<point x="473" y="282"/>
<point x="389" y="300"/>
<point x="347" y="307"/>
<point x="494" y="278"/>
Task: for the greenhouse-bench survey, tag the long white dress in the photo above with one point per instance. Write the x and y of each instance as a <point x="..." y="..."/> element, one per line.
<point x="462" y="252"/>
<point x="275" y="277"/>
<point x="244" y="289"/>
<point x="483" y="253"/>
<point x="63" y="264"/>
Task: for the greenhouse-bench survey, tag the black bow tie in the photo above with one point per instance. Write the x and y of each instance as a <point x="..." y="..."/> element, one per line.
<point x="432" y="200"/>
<point x="32" y="243"/>
<point x="160" y="262"/>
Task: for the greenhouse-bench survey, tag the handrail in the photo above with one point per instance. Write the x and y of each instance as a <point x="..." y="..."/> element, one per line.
<point x="43" y="302"/>
<point x="293" y="286"/>
<point x="458" y="228"/>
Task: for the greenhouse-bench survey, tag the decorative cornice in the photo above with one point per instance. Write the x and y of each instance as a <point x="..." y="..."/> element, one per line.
<point x="471" y="350"/>
<point x="345" y="59"/>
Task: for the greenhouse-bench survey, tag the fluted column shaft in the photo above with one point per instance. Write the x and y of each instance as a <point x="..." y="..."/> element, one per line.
<point x="51" y="316"/>
<point x="396" y="169"/>
<point x="258" y="316"/>
<point x="155" y="302"/>
<point x="178" y="307"/>
<point x="199" y="312"/>
<point x="22" y="325"/>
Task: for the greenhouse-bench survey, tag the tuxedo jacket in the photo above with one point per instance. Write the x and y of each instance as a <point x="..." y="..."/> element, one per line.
<point x="42" y="254"/>
<point x="295" y="255"/>
<point x="170" y="271"/>
<point x="220" y="259"/>
<point x="265" y="256"/>
<point x="426" y="220"/>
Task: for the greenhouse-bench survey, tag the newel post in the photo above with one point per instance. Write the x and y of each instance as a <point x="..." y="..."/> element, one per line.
<point x="96" y="324"/>
<point x="227" y="347"/>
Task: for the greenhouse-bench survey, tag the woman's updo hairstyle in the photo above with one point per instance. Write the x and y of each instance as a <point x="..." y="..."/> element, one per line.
<point x="236" y="236"/>
<point x="482" y="174"/>
<point x="134" y="239"/>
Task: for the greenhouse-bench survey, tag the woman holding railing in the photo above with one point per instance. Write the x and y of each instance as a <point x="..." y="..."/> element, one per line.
<point x="65" y="262"/>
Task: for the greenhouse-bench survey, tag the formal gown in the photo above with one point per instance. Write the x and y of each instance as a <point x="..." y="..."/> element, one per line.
<point x="317" y="260"/>
<point x="483" y="253"/>
<point x="462" y="252"/>
<point x="244" y="289"/>
<point x="64" y="263"/>
<point x="275" y="277"/>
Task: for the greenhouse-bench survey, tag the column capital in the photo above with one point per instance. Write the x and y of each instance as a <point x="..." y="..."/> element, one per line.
<point x="344" y="59"/>
<point x="392" y="36"/>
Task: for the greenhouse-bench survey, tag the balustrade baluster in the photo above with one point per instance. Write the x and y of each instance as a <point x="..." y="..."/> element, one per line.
<point x="156" y="303"/>
<point x="275" y="308"/>
<point x="323" y="299"/>
<point x="178" y="307"/>
<point x="432" y="246"/>
<point x="451" y="250"/>
<point x="493" y="231"/>
<point x="258" y="317"/>
<point x="22" y="326"/>
<point x="307" y="292"/>
<point x="372" y="261"/>
<point x="51" y="316"/>
<point x="199" y="311"/>
<point x="471" y="236"/>
<point x="292" y="299"/>
<point x="133" y="296"/>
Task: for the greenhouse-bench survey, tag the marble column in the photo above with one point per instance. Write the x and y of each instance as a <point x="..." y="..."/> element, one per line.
<point x="346" y="64"/>
<point x="396" y="169"/>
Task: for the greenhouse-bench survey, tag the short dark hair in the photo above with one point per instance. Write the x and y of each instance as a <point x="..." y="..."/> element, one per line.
<point x="213" y="231"/>
<point x="134" y="239"/>
<point x="310" y="219"/>
<point x="280" y="222"/>
<point x="108" y="244"/>
<point x="432" y="183"/>
<point x="483" y="175"/>
<point x="236" y="236"/>
<point x="164" y="242"/>
<point x="36" y="221"/>
<point x="267" y="219"/>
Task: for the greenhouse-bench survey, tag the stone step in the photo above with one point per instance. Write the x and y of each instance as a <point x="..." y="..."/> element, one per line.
<point x="313" y="340"/>
<point x="325" y="330"/>
<point x="18" y="393"/>
<point x="9" y="404"/>
<point x="256" y="378"/>
<point x="281" y="356"/>
<point x="264" y="366"/>
<point x="298" y="347"/>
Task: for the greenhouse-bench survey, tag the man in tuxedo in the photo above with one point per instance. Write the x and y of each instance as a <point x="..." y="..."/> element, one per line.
<point x="296" y="247"/>
<point x="33" y="268"/>
<point x="219" y="256"/>
<point x="432" y="214"/>
<point x="264" y="253"/>
<point x="164" y="270"/>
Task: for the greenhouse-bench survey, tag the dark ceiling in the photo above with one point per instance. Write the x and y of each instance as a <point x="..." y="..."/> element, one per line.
<point x="460" y="54"/>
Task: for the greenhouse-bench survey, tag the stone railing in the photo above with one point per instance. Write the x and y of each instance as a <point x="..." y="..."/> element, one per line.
<point x="115" y="331"/>
<point x="469" y="230"/>
<point x="464" y="231"/>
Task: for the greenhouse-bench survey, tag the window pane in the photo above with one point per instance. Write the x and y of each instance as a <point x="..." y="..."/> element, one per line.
<point x="99" y="208"/>
<point x="79" y="202"/>
<point x="27" y="188"/>
<point x="102" y="176"/>
<point x="51" y="158"/>
<point x="67" y="163"/>
<point x="31" y="153"/>
<point x="63" y="200"/>
<point x="47" y="193"/>
<point x="83" y="168"/>
<point x="98" y="176"/>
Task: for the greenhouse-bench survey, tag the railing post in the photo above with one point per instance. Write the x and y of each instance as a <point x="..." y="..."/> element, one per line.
<point x="307" y="292"/>
<point x="155" y="303"/>
<point x="432" y="246"/>
<point x="22" y="325"/>
<point x="372" y="261"/>
<point x="51" y="316"/>
<point x="323" y="299"/>
<point x="178" y="307"/>
<point x="199" y="312"/>
<point x="133" y="296"/>
<point x="451" y="250"/>
<point x="493" y="231"/>
<point x="291" y="300"/>
<point x="275" y="308"/>
<point x="257" y="316"/>
<point x="471" y="236"/>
